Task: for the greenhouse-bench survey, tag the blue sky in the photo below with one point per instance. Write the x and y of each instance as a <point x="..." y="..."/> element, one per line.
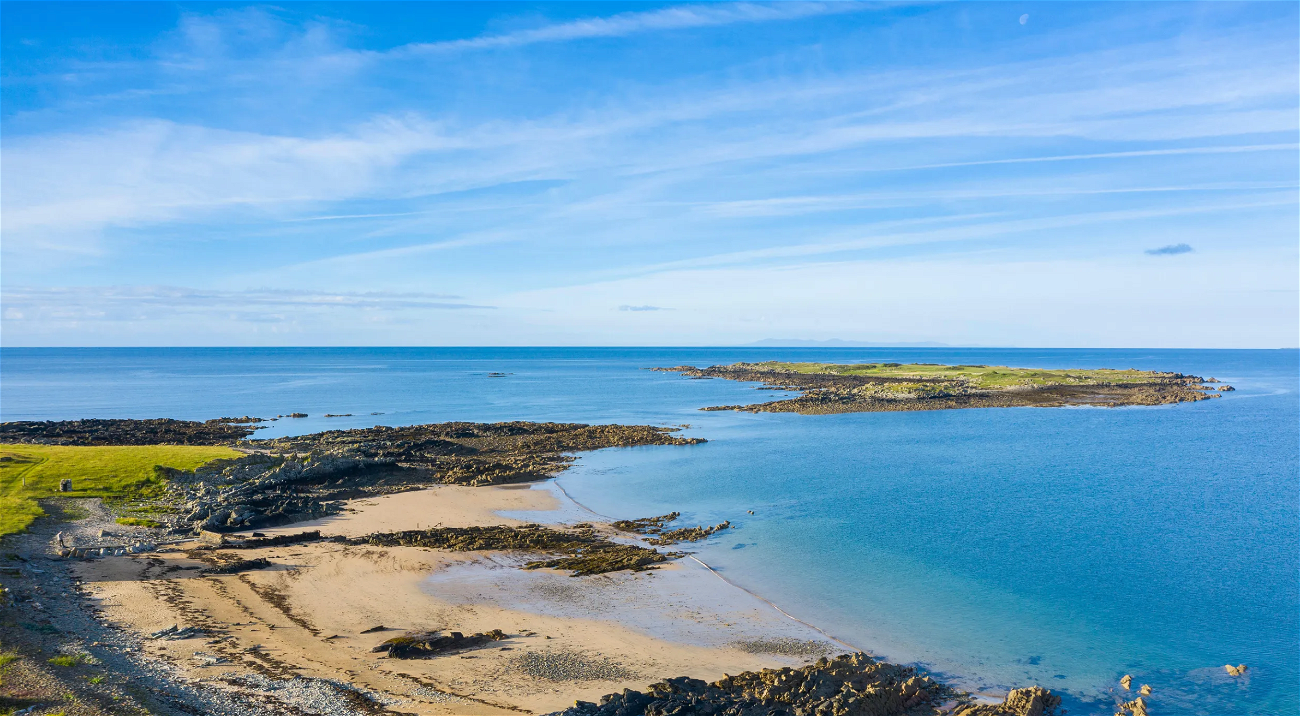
<point x="650" y="174"/>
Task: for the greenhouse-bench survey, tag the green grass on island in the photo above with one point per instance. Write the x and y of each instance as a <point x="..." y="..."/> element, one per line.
<point x="985" y="377"/>
<point x="32" y="472"/>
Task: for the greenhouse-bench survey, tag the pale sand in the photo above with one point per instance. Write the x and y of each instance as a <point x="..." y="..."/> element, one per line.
<point x="678" y="620"/>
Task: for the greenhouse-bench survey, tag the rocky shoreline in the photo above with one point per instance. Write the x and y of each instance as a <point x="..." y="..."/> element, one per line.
<point x="828" y="388"/>
<point x="205" y="537"/>
<point x="848" y="685"/>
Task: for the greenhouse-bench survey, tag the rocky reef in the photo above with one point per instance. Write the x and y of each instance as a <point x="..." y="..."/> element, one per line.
<point x="287" y="480"/>
<point x="584" y="551"/>
<point x="655" y="529"/>
<point x="848" y="685"/>
<point x="161" y="431"/>
<point x="829" y="388"/>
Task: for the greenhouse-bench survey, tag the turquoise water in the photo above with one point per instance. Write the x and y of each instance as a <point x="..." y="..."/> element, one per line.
<point x="1001" y="547"/>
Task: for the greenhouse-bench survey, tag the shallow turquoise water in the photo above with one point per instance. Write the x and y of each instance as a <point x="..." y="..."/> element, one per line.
<point x="1006" y="546"/>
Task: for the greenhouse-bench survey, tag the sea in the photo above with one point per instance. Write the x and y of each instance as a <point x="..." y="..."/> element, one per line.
<point x="993" y="547"/>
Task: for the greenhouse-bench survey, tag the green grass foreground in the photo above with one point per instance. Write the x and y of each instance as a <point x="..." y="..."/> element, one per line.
<point x="116" y="472"/>
<point x="980" y="376"/>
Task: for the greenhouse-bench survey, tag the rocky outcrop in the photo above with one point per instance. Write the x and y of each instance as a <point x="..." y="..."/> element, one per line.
<point x="687" y="534"/>
<point x="1136" y="707"/>
<point x="848" y="685"/>
<point x="288" y="480"/>
<point x="162" y="431"/>
<point x="655" y="528"/>
<point x="1032" y="701"/>
<point x="584" y="551"/>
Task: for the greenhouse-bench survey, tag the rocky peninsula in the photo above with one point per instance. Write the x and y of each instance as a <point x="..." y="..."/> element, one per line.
<point x="877" y="387"/>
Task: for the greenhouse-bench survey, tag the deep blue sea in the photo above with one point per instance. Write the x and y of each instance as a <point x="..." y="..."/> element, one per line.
<point x="999" y="547"/>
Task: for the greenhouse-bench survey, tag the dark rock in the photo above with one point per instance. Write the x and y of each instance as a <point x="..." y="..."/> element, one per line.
<point x="243" y="565"/>
<point x="161" y="431"/>
<point x="586" y="552"/>
<point x="425" y="645"/>
<point x="849" y="685"/>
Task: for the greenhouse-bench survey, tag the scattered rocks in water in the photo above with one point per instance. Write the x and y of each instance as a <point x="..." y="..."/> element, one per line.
<point x="1136" y="707"/>
<point x="428" y="644"/>
<point x="647" y="525"/>
<point x="587" y="552"/>
<point x="564" y="665"/>
<point x="688" y="534"/>
<point x="787" y="646"/>
<point x="655" y="528"/>
<point x="849" y="684"/>
<point x="1237" y="670"/>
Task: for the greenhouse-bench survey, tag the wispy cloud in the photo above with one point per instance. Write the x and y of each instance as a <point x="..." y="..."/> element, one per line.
<point x="1170" y="250"/>
<point x="263" y="147"/>
<point x="629" y="23"/>
<point x="142" y="303"/>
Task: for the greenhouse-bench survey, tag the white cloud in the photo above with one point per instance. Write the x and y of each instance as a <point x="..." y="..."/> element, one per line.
<point x="144" y="303"/>
<point x="629" y="23"/>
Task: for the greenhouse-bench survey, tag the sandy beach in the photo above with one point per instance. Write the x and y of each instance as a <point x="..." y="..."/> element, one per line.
<point x="315" y="613"/>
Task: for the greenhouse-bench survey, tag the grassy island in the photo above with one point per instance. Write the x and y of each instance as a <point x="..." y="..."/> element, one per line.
<point x="874" y="387"/>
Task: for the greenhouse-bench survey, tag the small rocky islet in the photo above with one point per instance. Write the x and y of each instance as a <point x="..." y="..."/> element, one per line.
<point x="879" y="387"/>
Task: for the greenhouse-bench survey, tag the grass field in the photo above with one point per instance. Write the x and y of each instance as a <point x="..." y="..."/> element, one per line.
<point x="31" y="472"/>
<point x="981" y="376"/>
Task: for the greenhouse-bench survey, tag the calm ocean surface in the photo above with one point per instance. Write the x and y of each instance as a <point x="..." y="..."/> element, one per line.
<point x="1065" y="547"/>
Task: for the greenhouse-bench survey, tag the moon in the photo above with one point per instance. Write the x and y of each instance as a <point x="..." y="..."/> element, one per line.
<point x="1024" y="18"/>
